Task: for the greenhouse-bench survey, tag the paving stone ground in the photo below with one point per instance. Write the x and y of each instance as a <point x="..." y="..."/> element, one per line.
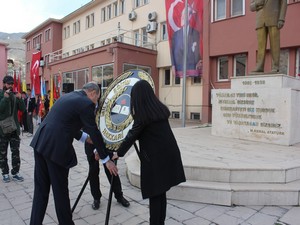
<point x="16" y="201"/>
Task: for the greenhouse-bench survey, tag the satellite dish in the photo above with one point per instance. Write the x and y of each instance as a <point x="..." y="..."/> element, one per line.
<point x="113" y="117"/>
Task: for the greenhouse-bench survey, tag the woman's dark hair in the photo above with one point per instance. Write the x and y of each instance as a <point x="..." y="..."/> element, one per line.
<point x="145" y="106"/>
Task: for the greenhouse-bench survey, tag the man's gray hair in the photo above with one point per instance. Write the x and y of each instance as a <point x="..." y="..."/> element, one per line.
<point x="91" y="86"/>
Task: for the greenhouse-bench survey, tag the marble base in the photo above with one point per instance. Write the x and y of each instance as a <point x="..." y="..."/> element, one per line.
<point x="264" y="108"/>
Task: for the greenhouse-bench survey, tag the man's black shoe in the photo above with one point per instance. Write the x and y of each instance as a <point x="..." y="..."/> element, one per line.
<point x="123" y="202"/>
<point x="96" y="204"/>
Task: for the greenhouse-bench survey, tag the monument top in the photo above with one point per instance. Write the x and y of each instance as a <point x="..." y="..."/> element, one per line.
<point x="265" y="81"/>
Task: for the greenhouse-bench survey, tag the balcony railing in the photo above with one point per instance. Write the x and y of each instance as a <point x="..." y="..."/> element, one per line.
<point x="128" y="37"/>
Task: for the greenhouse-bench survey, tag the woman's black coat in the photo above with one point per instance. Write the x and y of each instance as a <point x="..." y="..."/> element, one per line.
<point x="161" y="165"/>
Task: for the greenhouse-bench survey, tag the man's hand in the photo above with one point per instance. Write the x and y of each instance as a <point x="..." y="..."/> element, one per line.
<point x="115" y="156"/>
<point x="6" y="93"/>
<point x="97" y="157"/>
<point x="89" y="140"/>
<point x="111" y="166"/>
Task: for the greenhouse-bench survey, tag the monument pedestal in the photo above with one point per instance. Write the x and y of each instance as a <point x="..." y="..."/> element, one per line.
<point x="264" y="108"/>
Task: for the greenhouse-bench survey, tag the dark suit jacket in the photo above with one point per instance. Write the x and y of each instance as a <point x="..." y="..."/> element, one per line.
<point x="55" y="135"/>
<point x="31" y="105"/>
<point x="193" y="53"/>
<point x="161" y="165"/>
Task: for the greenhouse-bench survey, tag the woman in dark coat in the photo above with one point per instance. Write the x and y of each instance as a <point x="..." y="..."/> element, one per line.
<point x="161" y="165"/>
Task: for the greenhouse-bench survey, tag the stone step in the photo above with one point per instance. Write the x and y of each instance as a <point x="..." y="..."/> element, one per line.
<point x="237" y="193"/>
<point x="280" y="174"/>
<point x="253" y="190"/>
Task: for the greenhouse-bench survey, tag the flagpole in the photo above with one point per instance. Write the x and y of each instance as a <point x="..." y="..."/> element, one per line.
<point x="184" y="61"/>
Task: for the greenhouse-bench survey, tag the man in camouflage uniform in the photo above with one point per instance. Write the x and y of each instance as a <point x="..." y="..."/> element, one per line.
<point x="13" y="139"/>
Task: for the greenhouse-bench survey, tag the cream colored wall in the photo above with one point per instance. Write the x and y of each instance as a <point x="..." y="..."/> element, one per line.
<point x="170" y="95"/>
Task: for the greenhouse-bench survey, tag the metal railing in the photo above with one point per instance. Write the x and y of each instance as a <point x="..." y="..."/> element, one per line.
<point x="124" y="36"/>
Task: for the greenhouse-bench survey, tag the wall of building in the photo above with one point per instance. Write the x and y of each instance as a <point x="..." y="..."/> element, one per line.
<point x="3" y="61"/>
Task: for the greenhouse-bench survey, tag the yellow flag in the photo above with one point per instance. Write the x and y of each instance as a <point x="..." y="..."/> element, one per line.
<point x="24" y="88"/>
<point x="51" y="92"/>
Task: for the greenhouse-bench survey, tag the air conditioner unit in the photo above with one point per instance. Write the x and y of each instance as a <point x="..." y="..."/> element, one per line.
<point x="152" y="16"/>
<point x="151" y="27"/>
<point x="132" y="16"/>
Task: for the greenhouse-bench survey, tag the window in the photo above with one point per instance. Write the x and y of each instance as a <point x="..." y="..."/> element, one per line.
<point x="223" y="68"/>
<point x="76" y="27"/>
<point x="177" y="80"/>
<point x="240" y="65"/>
<point x="36" y="41"/>
<point x="47" y="35"/>
<point x="298" y="63"/>
<point x="284" y="61"/>
<point x="77" y="77"/>
<point x="196" y="80"/>
<point x="164" y="31"/>
<point x="195" y="116"/>
<point x="90" y="19"/>
<point x="175" y="115"/>
<point x="137" y="3"/>
<point x="67" y="32"/>
<point x="28" y="46"/>
<point x="103" y="75"/>
<point x="46" y="59"/>
<point x="136" y="37"/>
<point x="167" y="77"/>
<point x="220" y="9"/>
<point x="115" y="5"/>
<point x="237" y="7"/>
<point x="122" y="7"/>
<point x="145" y="36"/>
<point x="103" y="16"/>
<point x="109" y="12"/>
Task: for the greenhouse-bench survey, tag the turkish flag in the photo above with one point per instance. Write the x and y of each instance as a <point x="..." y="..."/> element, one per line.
<point x="34" y="73"/>
<point x="175" y="25"/>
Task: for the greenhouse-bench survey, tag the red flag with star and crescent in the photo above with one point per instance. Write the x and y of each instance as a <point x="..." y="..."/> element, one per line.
<point x="175" y="22"/>
<point x="34" y="74"/>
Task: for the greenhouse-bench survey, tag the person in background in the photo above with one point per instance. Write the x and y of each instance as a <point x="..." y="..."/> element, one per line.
<point x="30" y="107"/>
<point x="24" y="114"/>
<point x="54" y="153"/>
<point x="161" y="164"/>
<point x="93" y="160"/>
<point x="37" y="109"/>
<point x="8" y="102"/>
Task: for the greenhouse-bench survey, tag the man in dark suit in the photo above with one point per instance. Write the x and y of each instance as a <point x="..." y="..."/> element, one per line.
<point x="54" y="153"/>
<point x="193" y="49"/>
<point x="30" y="107"/>
<point x="93" y="159"/>
<point x="270" y="16"/>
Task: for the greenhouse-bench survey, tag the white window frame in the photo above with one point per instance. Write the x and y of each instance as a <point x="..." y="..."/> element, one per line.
<point x="103" y="15"/>
<point x="216" y="4"/>
<point x="144" y="36"/>
<point x="235" y="64"/>
<point x="219" y="68"/>
<point x="164" y="31"/>
<point x="136" y="38"/>
<point x="243" y="8"/>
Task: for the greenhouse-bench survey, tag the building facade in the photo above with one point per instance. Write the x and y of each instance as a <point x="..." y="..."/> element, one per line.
<point x="103" y="38"/>
<point x="3" y="59"/>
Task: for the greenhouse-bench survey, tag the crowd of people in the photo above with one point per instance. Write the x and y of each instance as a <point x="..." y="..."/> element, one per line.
<point x="73" y="117"/>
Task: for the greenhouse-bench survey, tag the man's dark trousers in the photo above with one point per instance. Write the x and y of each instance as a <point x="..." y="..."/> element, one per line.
<point x="94" y="175"/>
